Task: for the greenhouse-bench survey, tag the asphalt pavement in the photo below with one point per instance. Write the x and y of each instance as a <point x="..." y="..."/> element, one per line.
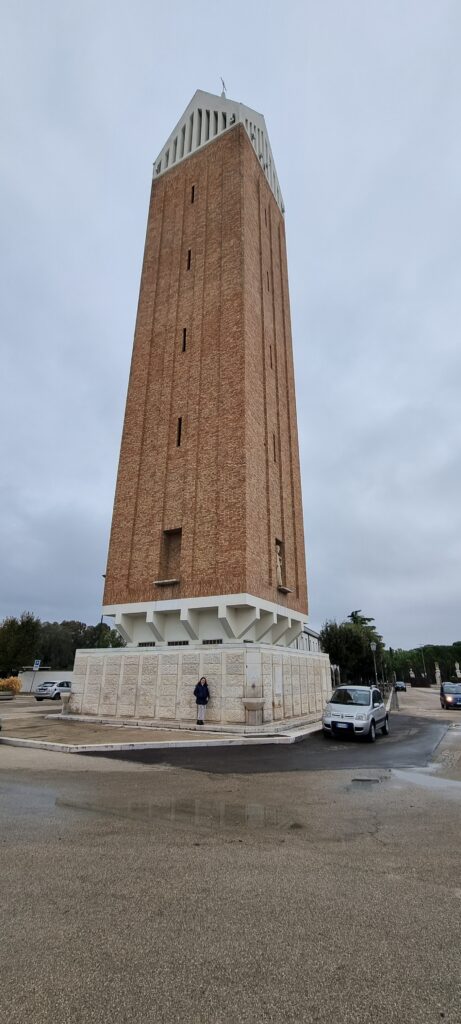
<point x="145" y="893"/>
<point x="411" y="743"/>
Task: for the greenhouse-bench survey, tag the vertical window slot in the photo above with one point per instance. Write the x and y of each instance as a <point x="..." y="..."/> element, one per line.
<point x="215" y="122"/>
<point x="189" y="258"/>
<point x="191" y="132"/>
<point x="270" y="356"/>
<point x="207" y="126"/>
<point x="267" y="275"/>
<point x="183" y="141"/>
<point x="192" y="194"/>
<point x="184" y="338"/>
<point x="179" y="432"/>
<point x="274" y="447"/>
<point x="171" y="555"/>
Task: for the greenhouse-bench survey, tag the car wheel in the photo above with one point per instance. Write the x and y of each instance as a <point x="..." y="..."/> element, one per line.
<point x="57" y="696"/>
<point x="385" y="728"/>
<point x="39" y="698"/>
<point x="327" y="734"/>
<point x="372" y="732"/>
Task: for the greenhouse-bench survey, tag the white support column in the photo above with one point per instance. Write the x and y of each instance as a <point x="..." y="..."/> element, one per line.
<point x="282" y="627"/>
<point x="292" y="633"/>
<point x="190" y="621"/>
<point x="224" y="617"/>
<point x="266" y="622"/>
<point x="122" y="626"/>
<point x="155" y="622"/>
<point x="246" y="620"/>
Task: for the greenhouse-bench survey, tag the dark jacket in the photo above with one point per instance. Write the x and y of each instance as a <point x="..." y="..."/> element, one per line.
<point x="202" y="693"/>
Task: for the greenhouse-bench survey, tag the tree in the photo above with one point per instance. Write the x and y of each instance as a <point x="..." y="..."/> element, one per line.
<point x="25" y="639"/>
<point x="19" y="642"/>
<point x="348" y="645"/>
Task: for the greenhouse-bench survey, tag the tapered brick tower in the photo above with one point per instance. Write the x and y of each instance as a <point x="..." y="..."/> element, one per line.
<point x="207" y="540"/>
<point x="207" y="532"/>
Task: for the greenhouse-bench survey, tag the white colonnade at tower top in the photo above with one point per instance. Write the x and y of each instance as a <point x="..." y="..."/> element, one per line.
<point x="208" y="116"/>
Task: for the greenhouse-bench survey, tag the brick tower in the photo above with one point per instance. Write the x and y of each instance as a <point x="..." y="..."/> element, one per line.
<point x="206" y="572"/>
<point x="207" y="537"/>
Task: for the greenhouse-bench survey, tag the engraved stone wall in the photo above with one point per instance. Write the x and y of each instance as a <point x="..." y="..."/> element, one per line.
<point x="158" y="685"/>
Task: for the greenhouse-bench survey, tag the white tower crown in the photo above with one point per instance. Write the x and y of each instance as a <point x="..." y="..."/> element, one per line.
<point x="208" y="116"/>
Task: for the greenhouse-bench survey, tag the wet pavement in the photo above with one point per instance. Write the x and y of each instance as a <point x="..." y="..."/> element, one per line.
<point x="148" y="893"/>
<point x="411" y="742"/>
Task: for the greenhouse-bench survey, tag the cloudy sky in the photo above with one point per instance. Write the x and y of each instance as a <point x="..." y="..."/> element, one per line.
<point x="363" y="105"/>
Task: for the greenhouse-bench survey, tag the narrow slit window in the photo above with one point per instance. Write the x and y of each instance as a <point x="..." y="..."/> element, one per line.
<point x="207" y="125"/>
<point x="184" y="338"/>
<point x="270" y="356"/>
<point x="192" y="194"/>
<point x="215" y="122"/>
<point x="265" y="216"/>
<point x="175" y="149"/>
<point x="167" y="158"/>
<point x="274" y="446"/>
<point x="267" y="275"/>
<point x="189" y="258"/>
<point x="191" y="133"/>
<point x="179" y="432"/>
<point x="183" y="141"/>
<point x="224" y="121"/>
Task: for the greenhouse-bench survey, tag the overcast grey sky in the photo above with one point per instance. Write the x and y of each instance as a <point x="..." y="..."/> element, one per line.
<point x="362" y="101"/>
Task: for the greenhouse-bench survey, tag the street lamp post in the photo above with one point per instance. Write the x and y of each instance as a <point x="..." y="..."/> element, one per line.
<point x="373" y="651"/>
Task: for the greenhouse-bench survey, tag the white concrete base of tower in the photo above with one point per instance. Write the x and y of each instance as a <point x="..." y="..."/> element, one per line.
<point x="252" y="686"/>
<point x="227" y="617"/>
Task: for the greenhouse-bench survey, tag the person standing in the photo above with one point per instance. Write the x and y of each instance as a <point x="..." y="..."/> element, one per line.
<point x="202" y="696"/>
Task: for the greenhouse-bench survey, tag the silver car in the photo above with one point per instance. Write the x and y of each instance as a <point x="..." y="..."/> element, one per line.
<point x="51" y="690"/>
<point x="357" y="710"/>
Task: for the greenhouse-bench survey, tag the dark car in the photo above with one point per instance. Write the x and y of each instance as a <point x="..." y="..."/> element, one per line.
<point x="400" y="685"/>
<point x="450" y="695"/>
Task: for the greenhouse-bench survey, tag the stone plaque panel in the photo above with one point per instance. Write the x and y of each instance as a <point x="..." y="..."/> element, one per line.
<point x="147" y="687"/>
<point x="129" y="685"/>
<point x="91" y="695"/>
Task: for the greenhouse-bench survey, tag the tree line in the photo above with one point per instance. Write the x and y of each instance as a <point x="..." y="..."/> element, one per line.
<point x="348" y="645"/>
<point x="26" y="638"/>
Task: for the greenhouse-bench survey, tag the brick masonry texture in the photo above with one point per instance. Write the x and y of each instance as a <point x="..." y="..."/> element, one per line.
<point x="159" y="686"/>
<point x="233" y="485"/>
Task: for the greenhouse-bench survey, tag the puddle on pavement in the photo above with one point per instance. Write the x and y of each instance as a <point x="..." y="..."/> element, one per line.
<point x="359" y="783"/>
<point x="427" y="779"/>
<point x="196" y="812"/>
<point x="363" y="783"/>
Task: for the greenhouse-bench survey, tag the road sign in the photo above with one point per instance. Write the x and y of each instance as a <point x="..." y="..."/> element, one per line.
<point x="37" y="664"/>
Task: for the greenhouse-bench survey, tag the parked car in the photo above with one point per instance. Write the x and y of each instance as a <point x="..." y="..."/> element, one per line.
<point x="450" y="695"/>
<point x="51" y="690"/>
<point x="400" y="685"/>
<point x="357" y="711"/>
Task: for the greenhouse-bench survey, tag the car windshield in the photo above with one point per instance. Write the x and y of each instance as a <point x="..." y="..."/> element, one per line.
<point x="452" y="687"/>
<point x="351" y="696"/>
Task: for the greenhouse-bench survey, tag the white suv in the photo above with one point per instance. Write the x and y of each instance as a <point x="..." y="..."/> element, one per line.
<point x="359" y="710"/>
<point x="52" y="691"/>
